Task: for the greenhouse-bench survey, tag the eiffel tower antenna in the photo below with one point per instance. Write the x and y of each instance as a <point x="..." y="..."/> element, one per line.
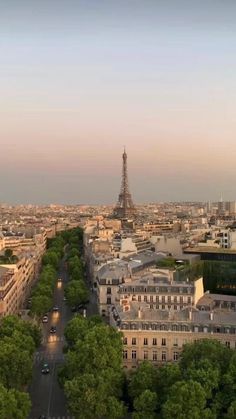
<point x="124" y="208"/>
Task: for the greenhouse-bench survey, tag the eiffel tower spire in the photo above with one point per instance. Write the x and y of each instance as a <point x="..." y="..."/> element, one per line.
<point x="124" y="207"/>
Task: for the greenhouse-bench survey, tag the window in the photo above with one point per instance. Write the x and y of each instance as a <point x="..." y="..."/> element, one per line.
<point x="154" y="356"/>
<point x="175" y="342"/>
<point x="145" y="298"/>
<point x="125" y="354"/>
<point x="133" y="341"/>
<point x="175" y="307"/>
<point x="175" y="299"/>
<point x="189" y="300"/>
<point x="139" y="298"/>
<point x="163" y="307"/>
<point x="163" y="356"/>
<point x="175" y="356"/>
<point x="205" y="329"/>
<point x="227" y="344"/>
<point x="108" y="300"/>
<point x="108" y="290"/>
<point x="125" y="341"/>
<point x="163" y="341"/>
<point x="163" y="299"/>
<point x="145" y="341"/>
<point x="154" y="341"/>
<point x="133" y="354"/>
<point x="151" y="299"/>
<point x="145" y="355"/>
<point x="169" y="299"/>
<point x="157" y="299"/>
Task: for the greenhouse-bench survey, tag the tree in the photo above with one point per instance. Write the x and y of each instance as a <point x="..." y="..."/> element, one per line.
<point x="11" y="324"/>
<point x="40" y="304"/>
<point x="15" y="366"/>
<point x="89" y="397"/>
<point x="13" y="404"/>
<point x="206" y="374"/>
<point x="145" y="405"/>
<point x="76" y="329"/>
<point x="51" y="258"/>
<point x="76" y="293"/>
<point x="167" y="375"/>
<point x="144" y="378"/>
<point x="205" y="349"/>
<point x="231" y="413"/>
<point x="186" y="400"/>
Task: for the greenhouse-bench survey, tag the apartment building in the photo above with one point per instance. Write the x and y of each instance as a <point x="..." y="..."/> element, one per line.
<point x="108" y="279"/>
<point x="159" y="335"/>
<point x="158" y="289"/>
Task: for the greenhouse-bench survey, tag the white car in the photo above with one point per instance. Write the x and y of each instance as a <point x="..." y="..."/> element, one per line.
<point x="45" y="319"/>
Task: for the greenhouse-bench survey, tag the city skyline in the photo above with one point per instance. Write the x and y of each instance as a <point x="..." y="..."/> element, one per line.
<point x="79" y="81"/>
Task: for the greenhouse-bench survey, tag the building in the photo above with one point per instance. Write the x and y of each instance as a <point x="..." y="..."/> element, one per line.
<point x="159" y="335"/>
<point x="159" y="291"/>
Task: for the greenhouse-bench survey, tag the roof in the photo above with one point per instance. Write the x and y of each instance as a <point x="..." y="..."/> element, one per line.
<point x="116" y="269"/>
<point x="198" y="316"/>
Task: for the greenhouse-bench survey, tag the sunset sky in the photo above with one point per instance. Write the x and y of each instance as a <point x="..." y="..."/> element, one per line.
<point x="81" y="79"/>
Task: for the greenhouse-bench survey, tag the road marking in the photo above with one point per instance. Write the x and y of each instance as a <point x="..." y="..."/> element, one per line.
<point x="50" y="392"/>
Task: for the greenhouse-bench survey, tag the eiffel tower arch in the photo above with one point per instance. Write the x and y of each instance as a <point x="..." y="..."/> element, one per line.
<point x="124" y="208"/>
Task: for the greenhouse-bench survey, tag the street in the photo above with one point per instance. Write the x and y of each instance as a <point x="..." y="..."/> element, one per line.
<point x="47" y="397"/>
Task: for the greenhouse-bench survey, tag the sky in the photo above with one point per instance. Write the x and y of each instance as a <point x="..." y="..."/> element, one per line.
<point x="81" y="79"/>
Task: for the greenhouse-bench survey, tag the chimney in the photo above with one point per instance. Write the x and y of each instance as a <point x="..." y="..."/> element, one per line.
<point x="211" y="315"/>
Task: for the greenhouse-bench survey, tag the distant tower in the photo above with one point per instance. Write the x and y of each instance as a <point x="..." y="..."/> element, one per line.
<point x="124" y="207"/>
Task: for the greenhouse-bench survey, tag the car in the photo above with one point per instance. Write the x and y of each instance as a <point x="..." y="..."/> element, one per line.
<point x="59" y="280"/>
<point x="45" y="319"/>
<point x="45" y="369"/>
<point x="53" y="329"/>
<point x="55" y="308"/>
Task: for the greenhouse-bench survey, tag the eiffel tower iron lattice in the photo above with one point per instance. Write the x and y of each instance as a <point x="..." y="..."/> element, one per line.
<point x="125" y="207"/>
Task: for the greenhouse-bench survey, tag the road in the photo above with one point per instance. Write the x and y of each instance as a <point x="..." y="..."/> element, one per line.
<point x="47" y="397"/>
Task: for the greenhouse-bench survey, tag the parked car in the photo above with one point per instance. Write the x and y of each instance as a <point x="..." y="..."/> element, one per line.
<point x="55" y="308"/>
<point x="45" y="319"/>
<point x="45" y="369"/>
<point x="53" y="329"/>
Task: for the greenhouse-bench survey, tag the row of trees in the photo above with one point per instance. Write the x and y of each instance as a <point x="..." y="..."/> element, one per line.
<point x="76" y="291"/>
<point x="92" y="376"/>
<point x="18" y="341"/>
<point x="42" y="296"/>
<point x="201" y="385"/>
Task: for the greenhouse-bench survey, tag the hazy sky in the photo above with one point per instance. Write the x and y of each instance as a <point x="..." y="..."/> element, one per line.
<point x="79" y="79"/>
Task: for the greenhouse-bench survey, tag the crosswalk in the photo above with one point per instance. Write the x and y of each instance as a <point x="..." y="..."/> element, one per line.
<point x="58" y="417"/>
<point x="47" y="357"/>
<point x="61" y="417"/>
<point x="53" y="338"/>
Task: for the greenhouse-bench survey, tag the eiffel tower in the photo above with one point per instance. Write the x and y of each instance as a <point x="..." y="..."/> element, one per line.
<point x="124" y="208"/>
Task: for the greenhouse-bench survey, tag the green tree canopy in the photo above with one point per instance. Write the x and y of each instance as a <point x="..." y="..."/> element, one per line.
<point x="13" y="404"/>
<point x="186" y="400"/>
<point x="145" y="405"/>
<point x="144" y="378"/>
<point x="15" y="365"/>
<point x="89" y="397"/>
<point x="76" y="293"/>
